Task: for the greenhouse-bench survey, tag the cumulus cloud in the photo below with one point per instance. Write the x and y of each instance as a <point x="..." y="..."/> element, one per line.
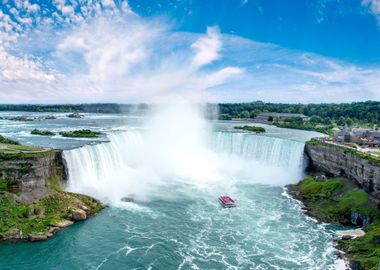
<point x="102" y="51"/>
<point x="374" y="6"/>
<point x="16" y="69"/>
<point x="140" y="60"/>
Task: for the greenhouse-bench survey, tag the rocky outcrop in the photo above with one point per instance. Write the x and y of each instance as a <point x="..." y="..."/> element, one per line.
<point x="32" y="175"/>
<point x="33" y="204"/>
<point x="78" y="214"/>
<point x="339" y="161"/>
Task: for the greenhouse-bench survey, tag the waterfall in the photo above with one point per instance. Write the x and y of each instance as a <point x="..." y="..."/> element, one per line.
<point x="284" y="153"/>
<point x="132" y="164"/>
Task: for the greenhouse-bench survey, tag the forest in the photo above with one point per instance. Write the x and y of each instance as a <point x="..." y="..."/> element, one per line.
<point x="360" y="113"/>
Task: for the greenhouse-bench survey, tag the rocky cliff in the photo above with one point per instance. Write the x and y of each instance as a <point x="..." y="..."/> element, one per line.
<point x="336" y="160"/>
<point x="33" y="204"/>
<point x="31" y="175"/>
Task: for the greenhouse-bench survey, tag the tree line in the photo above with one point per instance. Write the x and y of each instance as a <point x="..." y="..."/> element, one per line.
<point x="366" y="113"/>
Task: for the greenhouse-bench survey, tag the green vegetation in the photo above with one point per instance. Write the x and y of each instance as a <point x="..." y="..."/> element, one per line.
<point x="11" y="154"/>
<point x="299" y="123"/>
<point x="4" y="185"/>
<point x="19" y="147"/>
<point x="363" y="113"/>
<point x="365" y="249"/>
<point x="42" y="132"/>
<point x="251" y="128"/>
<point x="7" y="141"/>
<point x="332" y="201"/>
<point x="323" y="117"/>
<point x="83" y="133"/>
<point x="40" y="217"/>
<point x="346" y="150"/>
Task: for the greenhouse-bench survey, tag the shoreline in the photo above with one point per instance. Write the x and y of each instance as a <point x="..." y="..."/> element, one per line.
<point x="338" y="201"/>
<point x="40" y="220"/>
<point x="342" y="262"/>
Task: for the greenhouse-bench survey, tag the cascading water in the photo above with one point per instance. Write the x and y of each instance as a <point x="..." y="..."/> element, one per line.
<point x="130" y="164"/>
<point x="175" y="167"/>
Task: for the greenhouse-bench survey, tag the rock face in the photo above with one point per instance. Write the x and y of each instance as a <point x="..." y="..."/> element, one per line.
<point x="32" y="176"/>
<point x="366" y="173"/>
<point x="78" y="214"/>
<point x="359" y="219"/>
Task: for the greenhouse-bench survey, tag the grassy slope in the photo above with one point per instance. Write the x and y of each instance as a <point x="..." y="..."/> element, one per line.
<point x="331" y="201"/>
<point x="41" y="216"/>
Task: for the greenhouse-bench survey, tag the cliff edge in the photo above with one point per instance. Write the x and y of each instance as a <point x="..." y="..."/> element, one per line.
<point x="341" y="161"/>
<point x="33" y="205"/>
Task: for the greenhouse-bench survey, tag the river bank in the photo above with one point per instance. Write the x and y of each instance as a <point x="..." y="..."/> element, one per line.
<point x="40" y="220"/>
<point x="339" y="201"/>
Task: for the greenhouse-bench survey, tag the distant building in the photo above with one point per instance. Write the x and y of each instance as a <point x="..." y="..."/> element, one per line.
<point x="361" y="136"/>
<point x="264" y="117"/>
<point x="343" y="135"/>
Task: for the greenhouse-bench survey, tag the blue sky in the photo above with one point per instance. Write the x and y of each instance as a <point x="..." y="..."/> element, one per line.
<point x="217" y="50"/>
<point x="345" y="29"/>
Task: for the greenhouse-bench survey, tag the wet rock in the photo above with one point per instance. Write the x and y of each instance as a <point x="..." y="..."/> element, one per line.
<point x="359" y="219"/>
<point x="376" y="240"/>
<point x="127" y="199"/>
<point x="339" y="255"/>
<point x="14" y="234"/>
<point x="355" y="265"/>
<point x="37" y="237"/>
<point x="347" y="237"/>
<point x="54" y="230"/>
<point x="294" y="193"/>
<point x="78" y="214"/>
<point x="320" y="178"/>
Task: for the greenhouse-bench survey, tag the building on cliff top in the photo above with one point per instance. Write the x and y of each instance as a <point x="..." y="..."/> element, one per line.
<point x="361" y="136"/>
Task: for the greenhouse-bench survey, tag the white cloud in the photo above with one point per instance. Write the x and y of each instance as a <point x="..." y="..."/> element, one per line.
<point x="108" y="3"/>
<point x="374" y="6"/>
<point x="135" y="60"/>
<point x="207" y="48"/>
<point x="96" y="54"/>
<point x="67" y="10"/>
<point x="16" y="69"/>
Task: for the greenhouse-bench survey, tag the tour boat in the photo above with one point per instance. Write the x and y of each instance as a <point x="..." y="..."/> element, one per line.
<point x="227" y="201"/>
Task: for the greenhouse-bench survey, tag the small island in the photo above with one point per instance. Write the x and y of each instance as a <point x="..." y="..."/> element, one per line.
<point x="82" y="133"/>
<point x="42" y="132"/>
<point x="74" y="115"/>
<point x="251" y="128"/>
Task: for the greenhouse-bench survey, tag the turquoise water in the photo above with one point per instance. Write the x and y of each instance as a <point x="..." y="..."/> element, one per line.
<point x="176" y="221"/>
<point x="266" y="231"/>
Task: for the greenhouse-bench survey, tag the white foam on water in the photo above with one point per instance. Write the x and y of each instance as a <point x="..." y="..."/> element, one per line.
<point x="176" y="155"/>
